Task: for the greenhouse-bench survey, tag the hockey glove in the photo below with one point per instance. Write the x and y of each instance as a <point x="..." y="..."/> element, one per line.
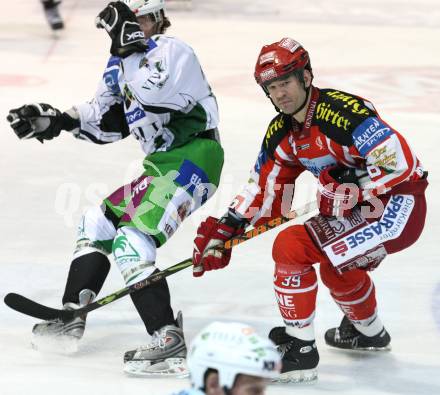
<point x="40" y="121"/>
<point x="122" y="26"/>
<point x="209" y="252"/>
<point x="337" y="191"/>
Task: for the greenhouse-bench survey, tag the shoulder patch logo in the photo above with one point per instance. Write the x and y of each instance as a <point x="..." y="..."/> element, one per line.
<point x="369" y="134"/>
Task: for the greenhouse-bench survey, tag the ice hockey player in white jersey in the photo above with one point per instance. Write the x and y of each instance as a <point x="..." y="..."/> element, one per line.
<point x="231" y="359"/>
<point x="153" y="88"/>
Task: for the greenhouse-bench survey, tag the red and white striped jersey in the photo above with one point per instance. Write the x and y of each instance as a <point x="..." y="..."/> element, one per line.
<point x="339" y="128"/>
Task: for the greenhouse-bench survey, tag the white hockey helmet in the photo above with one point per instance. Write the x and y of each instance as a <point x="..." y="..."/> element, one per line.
<point x="231" y="349"/>
<point x="144" y="7"/>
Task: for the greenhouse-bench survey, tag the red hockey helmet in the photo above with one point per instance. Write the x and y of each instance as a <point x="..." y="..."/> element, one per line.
<point x="280" y="59"/>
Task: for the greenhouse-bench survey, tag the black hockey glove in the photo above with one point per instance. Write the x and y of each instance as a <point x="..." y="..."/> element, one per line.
<point x="40" y="121"/>
<point x="122" y="26"/>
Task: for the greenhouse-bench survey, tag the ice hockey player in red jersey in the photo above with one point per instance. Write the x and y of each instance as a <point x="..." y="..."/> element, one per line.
<point x="371" y="203"/>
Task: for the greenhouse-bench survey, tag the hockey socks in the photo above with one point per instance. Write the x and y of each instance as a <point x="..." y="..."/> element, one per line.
<point x="153" y="305"/>
<point x="86" y="272"/>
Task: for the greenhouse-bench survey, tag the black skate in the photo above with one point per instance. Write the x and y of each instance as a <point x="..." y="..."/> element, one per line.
<point x="299" y="357"/>
<point x="349" y="338"/>
<point x="164" y="356"/>
<point x="53" y="14"/>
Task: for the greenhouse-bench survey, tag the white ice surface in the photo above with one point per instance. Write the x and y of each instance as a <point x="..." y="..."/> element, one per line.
<point x="387" y="51"/>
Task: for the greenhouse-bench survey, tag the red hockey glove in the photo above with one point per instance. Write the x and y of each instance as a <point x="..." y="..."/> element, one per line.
<point x="209" y="252"/>
<point x="337" y="191"/>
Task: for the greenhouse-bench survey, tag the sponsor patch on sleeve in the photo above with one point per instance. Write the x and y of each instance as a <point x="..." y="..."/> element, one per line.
<point x="384" y="156"/>
<point x="134" y="115"/>
<point x="369" y="134"/>
<point x="111" y="80"/>
<point x="111" y="74"/>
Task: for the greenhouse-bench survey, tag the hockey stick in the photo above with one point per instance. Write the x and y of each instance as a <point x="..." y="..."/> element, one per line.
<point x="29" y="307"/>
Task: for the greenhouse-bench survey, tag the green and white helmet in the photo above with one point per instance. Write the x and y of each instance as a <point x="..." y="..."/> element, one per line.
<point x="144" y="7"/>
<point x="231" y="349"/>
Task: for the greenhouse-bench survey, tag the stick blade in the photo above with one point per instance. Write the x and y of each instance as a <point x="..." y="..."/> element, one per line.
<point x="29" y="307"/>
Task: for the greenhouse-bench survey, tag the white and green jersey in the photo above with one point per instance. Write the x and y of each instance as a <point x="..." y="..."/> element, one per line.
<point x="160" y="96"/>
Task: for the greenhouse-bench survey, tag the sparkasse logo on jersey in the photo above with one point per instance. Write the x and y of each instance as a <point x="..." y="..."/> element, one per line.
<point x="390" y="226"/>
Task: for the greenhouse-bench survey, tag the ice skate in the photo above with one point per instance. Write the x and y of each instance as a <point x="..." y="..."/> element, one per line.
<point x="346" y="336"/>
<point x="164" y="356"/>
<point x="52" y="14"/>
<point x="64" y="335"/>
<point x="299" y="357"/>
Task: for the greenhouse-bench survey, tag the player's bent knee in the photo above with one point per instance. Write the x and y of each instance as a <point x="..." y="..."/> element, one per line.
<point x="290" y="248"/>
<point x="134" y="253"/>
<point x="341" y="284"/>
<point x="95" y="233"/>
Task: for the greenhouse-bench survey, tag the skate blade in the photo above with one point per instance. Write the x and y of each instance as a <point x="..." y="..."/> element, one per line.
<point x="386" y="348"/>
<point x="170" y="367"/>
<point x="362" y="349"/>
<point x="55" y="344"/>
<point x="308" y="376"/>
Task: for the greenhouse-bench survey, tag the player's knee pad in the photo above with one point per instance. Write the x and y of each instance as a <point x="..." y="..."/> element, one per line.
<point x="134" y="253"/>
<point x="95" y="233"/>
<point x="294" y="247"/>
<point x="341" y="284"/>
